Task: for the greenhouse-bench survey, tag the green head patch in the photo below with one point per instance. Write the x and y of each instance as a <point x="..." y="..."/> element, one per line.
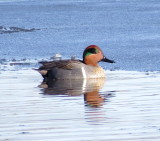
<point x="90" y="51"/>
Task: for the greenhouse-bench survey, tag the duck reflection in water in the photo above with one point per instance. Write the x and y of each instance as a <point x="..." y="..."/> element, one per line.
<point x="88" y="87"/>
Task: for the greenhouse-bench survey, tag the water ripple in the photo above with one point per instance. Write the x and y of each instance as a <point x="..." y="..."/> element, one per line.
<point x="130" y="111"/>
<point x="13" y="29"/>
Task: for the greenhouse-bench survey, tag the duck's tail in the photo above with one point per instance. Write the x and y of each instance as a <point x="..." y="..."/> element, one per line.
<point x="42" y="72"/>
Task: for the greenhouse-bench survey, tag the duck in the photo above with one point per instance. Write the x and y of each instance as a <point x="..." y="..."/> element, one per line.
<point x="87" y="68"/>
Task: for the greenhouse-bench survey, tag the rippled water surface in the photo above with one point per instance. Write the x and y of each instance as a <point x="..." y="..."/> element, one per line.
<point x="123" y="107"/>
<point x="130" y="110"/>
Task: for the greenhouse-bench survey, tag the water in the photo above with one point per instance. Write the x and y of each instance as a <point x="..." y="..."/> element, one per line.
<point x="130" y="110"/>
<point x="127" y="30"/>
<point x="125" y="106"/>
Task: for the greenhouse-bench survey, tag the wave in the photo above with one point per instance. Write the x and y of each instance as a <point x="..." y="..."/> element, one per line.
<point x="13" y="29"/>
<point x="15" y="64"/>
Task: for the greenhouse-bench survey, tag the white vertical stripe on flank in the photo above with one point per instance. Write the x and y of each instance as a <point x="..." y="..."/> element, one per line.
<point x="84" y="73"/>
<point x="84" y="79"/>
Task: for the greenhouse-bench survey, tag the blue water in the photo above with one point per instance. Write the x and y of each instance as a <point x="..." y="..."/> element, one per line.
<point x="124" y="107"/>
<point x="128" y="31"/>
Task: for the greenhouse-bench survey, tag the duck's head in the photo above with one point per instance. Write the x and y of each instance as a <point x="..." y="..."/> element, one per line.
<point x="93" y="54"/>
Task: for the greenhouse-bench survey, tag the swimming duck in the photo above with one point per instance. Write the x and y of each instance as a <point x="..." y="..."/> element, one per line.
<point x="76" y="69"/>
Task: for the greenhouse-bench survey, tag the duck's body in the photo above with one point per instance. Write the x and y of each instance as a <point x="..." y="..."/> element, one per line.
<point x="70" y="69"/>
<point x="76" y="69"/>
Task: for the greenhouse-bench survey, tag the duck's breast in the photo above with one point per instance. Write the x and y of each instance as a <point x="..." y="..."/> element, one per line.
<point x="94" y="72"/>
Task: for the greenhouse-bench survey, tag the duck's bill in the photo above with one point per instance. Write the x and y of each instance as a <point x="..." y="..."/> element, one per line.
<point x="107" y="60"/>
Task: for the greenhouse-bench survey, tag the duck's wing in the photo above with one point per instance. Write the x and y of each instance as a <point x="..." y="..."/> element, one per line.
<point x="62" y="64"/>
<point x="58" y="65"/>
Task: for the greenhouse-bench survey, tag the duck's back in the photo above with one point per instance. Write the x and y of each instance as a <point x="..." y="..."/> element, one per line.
<point x="69" y="69"/>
